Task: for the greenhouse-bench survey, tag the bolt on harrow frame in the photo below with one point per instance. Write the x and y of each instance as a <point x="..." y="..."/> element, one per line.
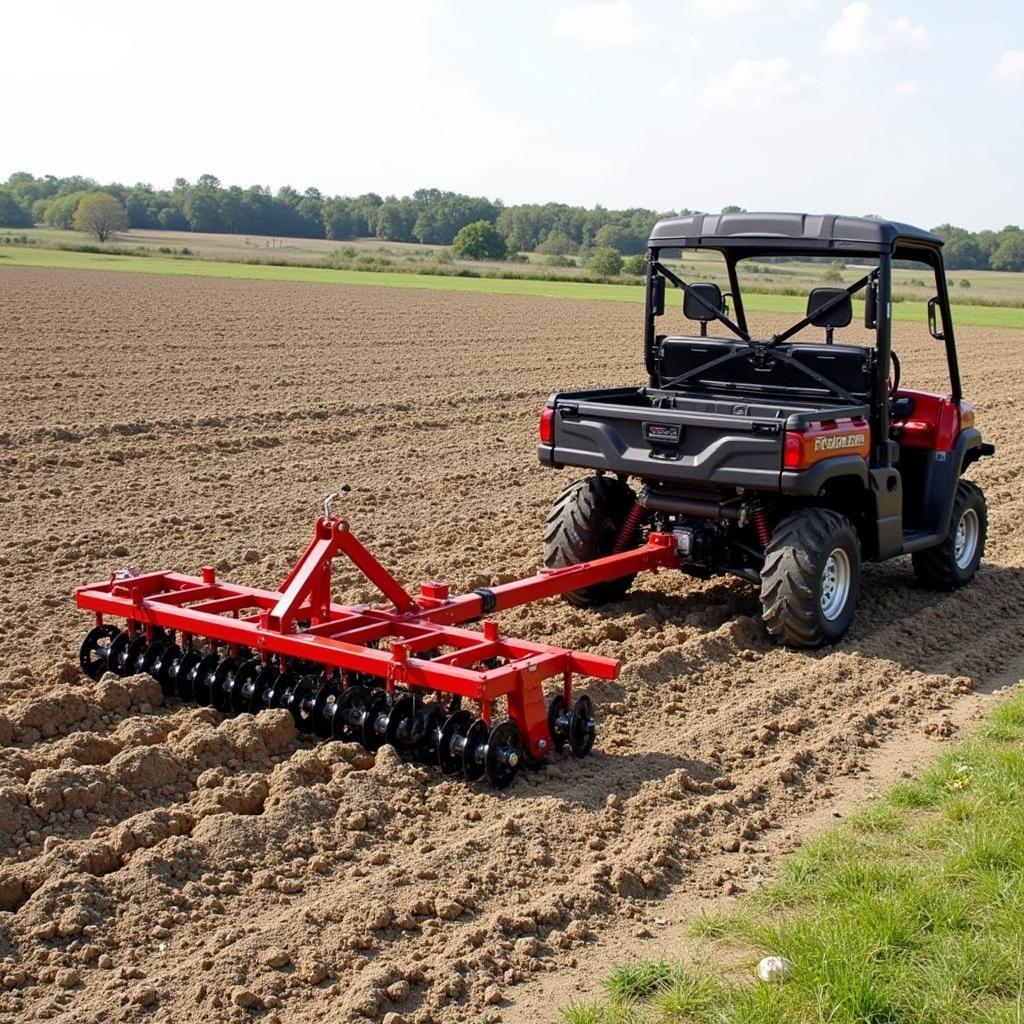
<point x="375" y="674"/>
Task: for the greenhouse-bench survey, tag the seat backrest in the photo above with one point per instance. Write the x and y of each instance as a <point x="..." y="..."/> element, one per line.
<point x="840" y="315"/>
<point x="848" y="367"/>
<point x="830" y="316"/>
<point x="681" y="355"/>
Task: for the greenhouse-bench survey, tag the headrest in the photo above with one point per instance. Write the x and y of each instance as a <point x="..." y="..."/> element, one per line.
<point x="840" y="315"/>
<point x="710" y="293"/>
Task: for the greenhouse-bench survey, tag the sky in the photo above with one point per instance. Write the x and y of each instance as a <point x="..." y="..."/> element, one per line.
<point x="907" y="109"/>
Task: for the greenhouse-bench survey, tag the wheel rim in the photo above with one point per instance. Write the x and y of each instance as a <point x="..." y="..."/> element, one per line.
<point x="965" y="543"/>
<point x="835" y="584"/>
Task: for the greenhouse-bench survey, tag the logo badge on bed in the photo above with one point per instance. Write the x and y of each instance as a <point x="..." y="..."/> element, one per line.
<point x="662" y="433"/>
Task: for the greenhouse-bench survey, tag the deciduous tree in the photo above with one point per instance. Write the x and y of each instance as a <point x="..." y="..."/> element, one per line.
<point x="1009" y="255"/>
<point x="606" y="260"/>
<point x="100" y="214"/>
<point x="12" y="215"/>
<point x="479" y="241"/>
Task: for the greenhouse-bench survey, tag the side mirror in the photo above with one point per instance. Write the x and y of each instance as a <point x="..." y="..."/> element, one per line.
<point x="935" y="319"/>
<point x="658" y="295"/>
<point x="871" y="306"/>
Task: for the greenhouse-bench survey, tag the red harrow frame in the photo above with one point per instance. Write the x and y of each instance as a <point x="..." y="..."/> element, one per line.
<point x="375" y="674"/>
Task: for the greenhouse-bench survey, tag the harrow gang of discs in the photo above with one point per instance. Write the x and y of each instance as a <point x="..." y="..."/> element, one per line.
<point x="395" y="674"/>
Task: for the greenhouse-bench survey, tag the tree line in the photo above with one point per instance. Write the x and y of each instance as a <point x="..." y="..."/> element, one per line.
<point x="429" y="216"/>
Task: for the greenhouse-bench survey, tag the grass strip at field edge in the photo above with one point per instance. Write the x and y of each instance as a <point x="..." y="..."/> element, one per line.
<point x="910" y="911"/>
<point x="755" y="302"/>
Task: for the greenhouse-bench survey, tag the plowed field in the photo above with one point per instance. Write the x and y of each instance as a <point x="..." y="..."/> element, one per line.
<point x="161" y="862"/>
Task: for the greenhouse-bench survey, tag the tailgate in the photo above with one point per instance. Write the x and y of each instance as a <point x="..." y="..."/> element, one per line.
<point x="737" y="449"/>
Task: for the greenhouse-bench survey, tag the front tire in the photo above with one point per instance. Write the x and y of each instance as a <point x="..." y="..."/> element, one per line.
<point x="810" y="582"/>
<point x="584" y="525"/>
<point x="954" y="561"/>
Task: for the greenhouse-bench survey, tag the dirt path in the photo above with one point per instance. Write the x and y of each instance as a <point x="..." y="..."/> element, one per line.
<point x="158" y="862"/>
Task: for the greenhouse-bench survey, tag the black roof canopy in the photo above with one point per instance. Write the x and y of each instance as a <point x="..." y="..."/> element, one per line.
<point x="809" y="233"/>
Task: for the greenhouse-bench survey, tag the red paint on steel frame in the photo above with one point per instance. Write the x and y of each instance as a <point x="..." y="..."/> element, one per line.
<point x="300" y="621"/>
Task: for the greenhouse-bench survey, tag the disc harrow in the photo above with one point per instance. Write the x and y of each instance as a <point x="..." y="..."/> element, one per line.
<point x="395" y="674"/>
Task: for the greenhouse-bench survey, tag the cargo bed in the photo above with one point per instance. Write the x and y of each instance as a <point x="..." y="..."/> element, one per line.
<point x="696" y="437"/>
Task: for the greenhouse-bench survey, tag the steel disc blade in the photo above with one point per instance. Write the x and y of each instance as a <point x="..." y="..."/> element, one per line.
<point x="116" y="652"/>
<point x="153" y="654"/>
<point x="426" y="728"/>
<point x="504" y="754"/>
<point x="472" y="762"/>
<point x="300" y="700"/>
<point x="399" y="724"/>
<point x="159" y="659"/>
<point x="182" y="675"/>
<point x="559" y="733"/>
<point x="375" y="706"/>
<point x="94" y="653"/>
<point x="202" y="680"/>
<point x="325" y="707"/>
<point x="262" y="689"/>
<point x="281" y="689"/>
<point x="456" y="725"/>
<point x="241" y="688"/>
<point x="581" y="726"/>
<point x="135" y="655"/>
<point x="221" y="683"/>
<point x="351" y="702"/>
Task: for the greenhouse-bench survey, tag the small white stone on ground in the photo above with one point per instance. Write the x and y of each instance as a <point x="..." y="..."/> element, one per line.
<point x="774" y="968"/>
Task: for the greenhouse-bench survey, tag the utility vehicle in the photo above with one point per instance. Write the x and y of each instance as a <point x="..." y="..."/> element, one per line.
<point x="786" y="460"/>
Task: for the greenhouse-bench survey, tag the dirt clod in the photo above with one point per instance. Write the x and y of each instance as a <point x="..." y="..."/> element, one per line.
<point x="276" y="957"/>
<point x="244" y="998"/>
<point x="144" y="995"/>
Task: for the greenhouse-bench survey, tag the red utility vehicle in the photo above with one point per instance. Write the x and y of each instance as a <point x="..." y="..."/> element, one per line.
<point x="784" y="461"/>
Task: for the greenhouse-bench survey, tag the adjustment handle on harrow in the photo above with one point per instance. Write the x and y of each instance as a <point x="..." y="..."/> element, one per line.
<point x="330" y="498"/>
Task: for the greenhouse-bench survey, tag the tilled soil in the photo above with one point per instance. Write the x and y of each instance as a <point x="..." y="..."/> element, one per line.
<point x="160" y="861"/>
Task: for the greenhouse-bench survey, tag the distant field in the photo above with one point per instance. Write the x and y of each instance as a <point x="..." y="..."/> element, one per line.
<point x="276" y="249"/>
<point x="30" y="256"/>
<point x="967" y="287"/>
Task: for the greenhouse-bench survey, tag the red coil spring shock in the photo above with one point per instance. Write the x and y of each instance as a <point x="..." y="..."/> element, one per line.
<point x="628" y="529"/>
<point x="761" y="524"/>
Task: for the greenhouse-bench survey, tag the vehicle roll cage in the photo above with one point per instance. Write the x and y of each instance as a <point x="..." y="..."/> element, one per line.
<point x="878" y="280"/>
<point x="761" y="349"/>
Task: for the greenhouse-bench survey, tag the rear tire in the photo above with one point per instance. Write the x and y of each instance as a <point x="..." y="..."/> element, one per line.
<point x="810" y="582"/>
<point x="583" y="526"/>
<point x="953" y="562"/>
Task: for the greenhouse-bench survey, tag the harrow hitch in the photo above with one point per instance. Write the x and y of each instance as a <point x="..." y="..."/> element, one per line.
<point x="394" y="673"/>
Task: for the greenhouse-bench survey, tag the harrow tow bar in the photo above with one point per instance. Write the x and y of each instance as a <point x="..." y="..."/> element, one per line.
<point x="364" y="672"/>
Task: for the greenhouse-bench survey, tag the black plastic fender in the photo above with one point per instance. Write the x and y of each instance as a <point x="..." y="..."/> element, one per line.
<point x="806" y="483"/>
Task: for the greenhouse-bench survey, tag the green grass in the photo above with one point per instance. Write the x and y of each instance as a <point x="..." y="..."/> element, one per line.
<point x="31" y="256"/>
<point x="638" y="981"/>
<point x="912" y="912"/>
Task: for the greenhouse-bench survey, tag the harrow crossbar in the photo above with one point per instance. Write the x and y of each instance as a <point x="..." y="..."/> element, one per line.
<point x="416" y="642"/>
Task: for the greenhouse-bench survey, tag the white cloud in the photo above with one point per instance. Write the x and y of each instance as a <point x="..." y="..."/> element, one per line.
<point x="602" y="26"/>
<point x="910" y="87"/>
<point x="723" y="9"/>
<point x="753" y="85"/>
<point x="860" y="32"/>
<point x="1011" y="67"/>
<point x="672" y="88"/>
